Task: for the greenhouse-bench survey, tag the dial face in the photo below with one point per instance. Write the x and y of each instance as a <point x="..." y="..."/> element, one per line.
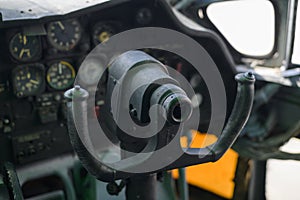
<point x="28" y="80"/>
<point x="60" y="75"/>
<point x="64" y="35"/>
<point x="25" y="48"/>
<point x="102" y="32"/>
<point x="91" y="71"/>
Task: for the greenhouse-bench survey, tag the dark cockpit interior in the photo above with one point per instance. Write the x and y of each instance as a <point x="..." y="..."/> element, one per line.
<point x="69" y="68"/>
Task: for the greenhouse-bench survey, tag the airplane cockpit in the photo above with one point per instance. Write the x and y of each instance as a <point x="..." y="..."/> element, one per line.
<point x="149" y="99"/>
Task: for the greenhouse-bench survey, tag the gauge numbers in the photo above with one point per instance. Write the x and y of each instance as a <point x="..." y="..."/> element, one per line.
<point x="64" y="35"/>
<point x="60" y="75"/>
<point x="28" y="80"/>
<point x="25" y="48"/>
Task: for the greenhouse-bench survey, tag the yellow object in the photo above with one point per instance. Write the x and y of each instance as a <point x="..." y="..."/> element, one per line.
<point x="104" y="36"/>
<point x="214" y="177"/>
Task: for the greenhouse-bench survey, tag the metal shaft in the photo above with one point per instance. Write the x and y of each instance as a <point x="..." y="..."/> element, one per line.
<point x="141" y="187"/>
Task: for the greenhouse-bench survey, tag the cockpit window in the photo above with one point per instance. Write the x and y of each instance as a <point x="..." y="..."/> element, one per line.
<point x="248" y="25"/>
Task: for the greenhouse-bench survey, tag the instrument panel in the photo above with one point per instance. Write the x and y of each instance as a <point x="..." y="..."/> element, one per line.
<point x="48" y="62"/>
<point x="37" y="66"/>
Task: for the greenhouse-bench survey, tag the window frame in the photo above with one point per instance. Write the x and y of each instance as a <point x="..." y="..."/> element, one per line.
<point x="284" y="18"/>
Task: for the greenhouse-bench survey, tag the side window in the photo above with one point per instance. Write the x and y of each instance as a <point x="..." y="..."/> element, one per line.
<point x="248" y="25"/>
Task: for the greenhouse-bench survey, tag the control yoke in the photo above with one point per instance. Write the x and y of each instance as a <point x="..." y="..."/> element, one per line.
<point x="136" y="82"/>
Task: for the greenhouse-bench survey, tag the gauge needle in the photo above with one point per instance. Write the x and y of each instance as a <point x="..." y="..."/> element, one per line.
<point x="21" y="53"/>
<point x="28" y="52"/>
<point x="34" y="82"/>
<point x="24" y="39"/>
<point x="24" y="51"/>
<point x="61" y="25"/>
<point x="59" y="69"/>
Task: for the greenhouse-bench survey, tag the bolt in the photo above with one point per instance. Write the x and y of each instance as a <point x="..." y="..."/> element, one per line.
<point x="77" y="87"/>
<point x="249" y="75"/>
<point x="112" y="188"/>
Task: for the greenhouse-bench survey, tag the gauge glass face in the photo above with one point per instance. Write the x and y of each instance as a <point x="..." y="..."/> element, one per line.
<point x="64" y="35"/>
<point x="90" y="72"/>
<point x="27" y="80"/>
<point x="25" y="48"/>
<point x="60" y="75"/>
<point x="102" y="32"/>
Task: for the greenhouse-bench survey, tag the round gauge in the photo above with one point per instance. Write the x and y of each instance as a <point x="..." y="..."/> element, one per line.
<point x="25" y="48"/>
<point x="102" y="32"/>
<point x="90" y="71"/>
<point x="60" y="75"/>
<point x="28" y="80"/>
<point x="64" y="35"/>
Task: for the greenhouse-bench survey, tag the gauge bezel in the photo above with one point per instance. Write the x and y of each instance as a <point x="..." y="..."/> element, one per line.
<point x="34" y="57"/>
<point x="57" y="45"/>
<point x="66" y="63"/>
<point x="36" y="66"/>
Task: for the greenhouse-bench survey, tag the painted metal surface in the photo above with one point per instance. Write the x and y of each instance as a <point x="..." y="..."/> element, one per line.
<point x="36" y="9"/>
